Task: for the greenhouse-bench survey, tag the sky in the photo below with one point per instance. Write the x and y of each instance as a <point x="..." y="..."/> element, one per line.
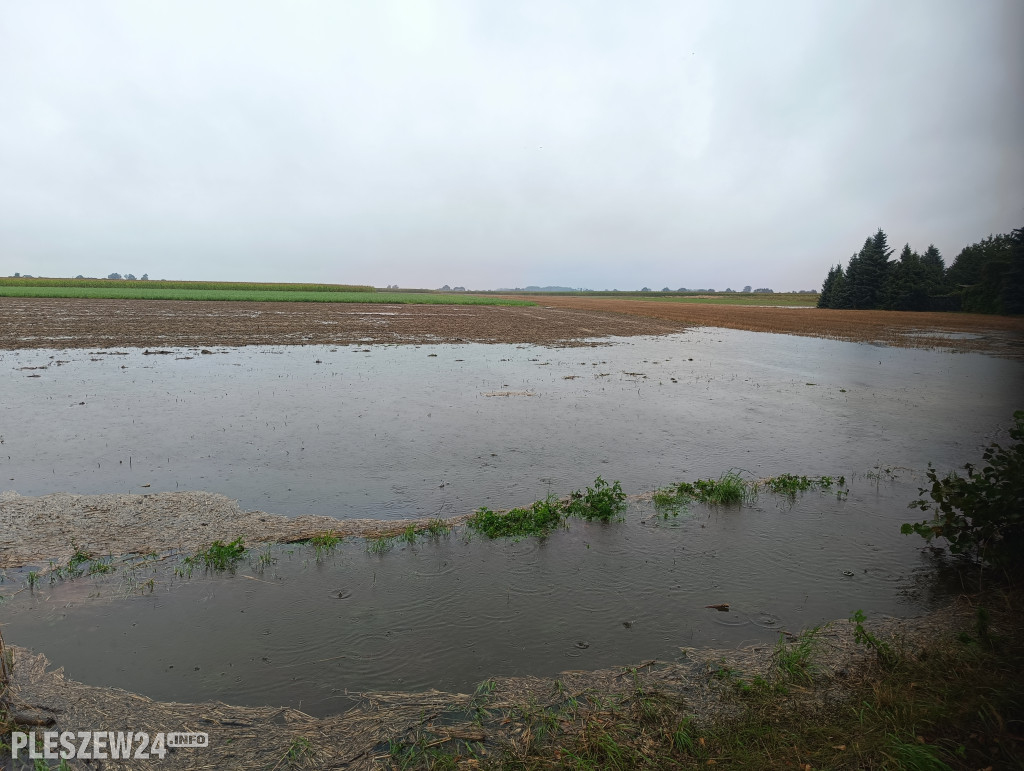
<point x="500" y="144"/>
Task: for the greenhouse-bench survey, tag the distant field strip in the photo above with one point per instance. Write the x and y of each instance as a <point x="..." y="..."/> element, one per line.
<point x="768" y="300"/>
<point x="249" y="295"/>
<point x="105" y="283"/>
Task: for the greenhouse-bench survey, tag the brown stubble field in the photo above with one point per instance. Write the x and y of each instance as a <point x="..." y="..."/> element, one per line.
<point x="555" y="320"/>
<point x="1000" y="335"/>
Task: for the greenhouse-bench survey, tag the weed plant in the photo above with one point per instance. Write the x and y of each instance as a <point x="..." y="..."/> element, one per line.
<point x="380" y="545"/>
<point x="436" y="528"/>
<point x="602" y="501"/>
<point x="538" y="519"/>
<point x="218" y="556"/>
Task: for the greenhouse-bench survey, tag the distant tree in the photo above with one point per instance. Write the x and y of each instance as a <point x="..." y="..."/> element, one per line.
<point x="646" y="289"/>
<point x="764" y="290"/>
<point x="79" y="276"/>
<point x="747" y="289"/>
<point x="446" y="288"/>
<point x="666" y="289"/>
<point x="866" y="273"/>
<point x="115" y="276"/>
<point x="17" y="275"/>
<point x="145" y="277"/>
<point x="1013" y="285"/>
<point x="832" y="288"/>
<point x="905" y="287"/>
<point x="129" y="276"/>
<point x="980" y="273"/>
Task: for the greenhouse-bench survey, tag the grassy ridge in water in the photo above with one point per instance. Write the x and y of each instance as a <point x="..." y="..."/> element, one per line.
<point x="248" y="295"/>
<point x="106" y="283"/>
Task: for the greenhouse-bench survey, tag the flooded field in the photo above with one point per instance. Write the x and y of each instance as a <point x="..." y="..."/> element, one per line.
<point x="391" y="432"/>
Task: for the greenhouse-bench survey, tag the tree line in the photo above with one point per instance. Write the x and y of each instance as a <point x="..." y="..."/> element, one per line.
<point x="986" y="277"/>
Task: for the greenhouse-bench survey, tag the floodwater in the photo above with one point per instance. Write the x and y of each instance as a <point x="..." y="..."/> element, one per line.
<point x="450" y="612"/>
<point x="401" y="431"/>
<point x="412" y="431"/>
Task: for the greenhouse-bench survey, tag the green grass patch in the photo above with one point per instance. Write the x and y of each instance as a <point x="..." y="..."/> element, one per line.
<point x="436" y="528"/>
<point x="380" y="545"/>
<point x="218" y="556"/>
<point x="150" y="292"/>
<point x="540" y="518"/>
<point x="728" y="490"/>
<point x="790" y="484"/>
<point x="81" y="563"/>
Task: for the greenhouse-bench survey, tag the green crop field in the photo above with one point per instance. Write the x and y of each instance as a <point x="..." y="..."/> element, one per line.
<point x="150" y="292"/>
<point x="105" y="283"/>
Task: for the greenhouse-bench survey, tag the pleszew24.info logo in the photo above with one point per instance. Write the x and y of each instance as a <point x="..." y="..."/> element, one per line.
<point x="100" y="745"/>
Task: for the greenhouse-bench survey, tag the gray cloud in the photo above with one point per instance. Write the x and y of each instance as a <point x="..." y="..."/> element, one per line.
<point x="501" y="144"/>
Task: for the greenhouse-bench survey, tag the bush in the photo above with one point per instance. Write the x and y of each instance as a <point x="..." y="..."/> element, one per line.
<point x="981" y="515"/>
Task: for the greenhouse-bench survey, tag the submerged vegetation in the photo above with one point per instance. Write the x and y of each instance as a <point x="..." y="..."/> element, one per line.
<point x="603" y="501"/>
<point x="730" y="489"/>
<point x="218" y="556"/>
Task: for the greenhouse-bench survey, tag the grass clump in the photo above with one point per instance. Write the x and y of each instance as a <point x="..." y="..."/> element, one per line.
<point x="81" y="563"/>
<point x="218" y="556"/>
<point x="728" y="489"/>
<point x="791" y="484"/>
<point x="380" y="545"/>
<point x="436" y="528"/>
<point x="324" y="544"/>
<point x="540" y="518"/>
<point x="794" y="659"/>
<point x="602" y="501"/>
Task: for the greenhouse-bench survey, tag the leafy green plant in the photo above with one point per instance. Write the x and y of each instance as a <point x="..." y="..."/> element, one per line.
<point x="602" y="501"/>
<point x="981" y="516"/>
<point x="538" y="519"/>
<point x="887" y="656"/>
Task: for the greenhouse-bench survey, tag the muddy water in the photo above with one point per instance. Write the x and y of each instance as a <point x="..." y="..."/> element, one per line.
<point x="450" y="612"/>
<point x="391" y="432"/>
<point x="401" y="431"/>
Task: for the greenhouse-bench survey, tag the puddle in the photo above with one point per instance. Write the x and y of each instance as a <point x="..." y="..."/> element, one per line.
<point x="451" y="612"/>
<point x="390" y="432"/>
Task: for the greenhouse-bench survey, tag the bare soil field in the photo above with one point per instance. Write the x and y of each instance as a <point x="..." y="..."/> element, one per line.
<point x="556" y="321"/>
<point x="1000" y="335"/>
<point x="64" y="323"/>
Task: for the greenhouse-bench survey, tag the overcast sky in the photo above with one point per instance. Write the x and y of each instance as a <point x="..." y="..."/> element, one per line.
<point x="499" y="144"/>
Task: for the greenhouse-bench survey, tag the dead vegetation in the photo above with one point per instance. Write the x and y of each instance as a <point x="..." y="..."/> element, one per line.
<point x="62" y="323"/>
<point x="1000" y="335"/>
<point x="55" y="527"/>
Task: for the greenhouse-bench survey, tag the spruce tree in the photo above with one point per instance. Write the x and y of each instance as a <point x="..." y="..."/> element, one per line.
<point x="830" y="289"/>
<point x="1013" y="284"/>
